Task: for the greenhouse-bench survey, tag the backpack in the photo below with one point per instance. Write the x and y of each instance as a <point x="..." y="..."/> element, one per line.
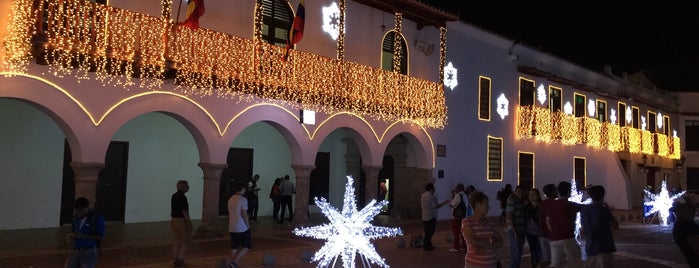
<point x="460" y="211"/>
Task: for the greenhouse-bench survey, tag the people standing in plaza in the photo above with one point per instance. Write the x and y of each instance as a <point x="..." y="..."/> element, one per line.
<point x="429" y="207"/>
<point x="560" y="219"/>
<point x="459" y="198"/>
<point x="597" y="223"/>
<point x="253" y="199"/>
<point x="287" y="189"/>
<point x="685" y="232"/>
<point x="481" y="237"/>
<point x="502" y="196"/>
<point x="275" y="195"/>
<point x="180" y="223"/>
<point x="87" y="231"/>
<point x="551" y="193"/>
<point x="533" y="230"/>
<point x="515" y="218"/>
<point x="239" y="225"/>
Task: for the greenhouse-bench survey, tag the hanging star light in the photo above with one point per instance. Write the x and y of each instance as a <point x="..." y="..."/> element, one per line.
<point x="576" y="196"/>
<point x="349" y="232"/>
<point x="643" y="122"/>
<point x="591" y="108"/>
<point x="541" y="94"/>
<point x="331" y="20"/>
<point x="612" y="117"/>
<point x="659" y="120"/>
<point x="568" y="108"/>
<point x="629" y="116"/>
<point x="450" y="76"/>
<point x="661" y="202"/>
<point x="503" y="106"/>
<point x="674" y="133"/>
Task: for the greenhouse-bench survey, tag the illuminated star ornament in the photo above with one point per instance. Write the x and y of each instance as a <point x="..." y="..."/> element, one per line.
<point x="568" y="108"/>
<point x="541" y="94"/>
<point x="576" y="196"/>
<point x="331" y="20"/>
<point x="450" y="79"/>
<point x="661" y="203"/>
<point x="349" y="232"/>
<point x="612" y="116"/>
<point x="643" y="122"/>
<point x="591" y="108"/>
<point x="503" y="106"/>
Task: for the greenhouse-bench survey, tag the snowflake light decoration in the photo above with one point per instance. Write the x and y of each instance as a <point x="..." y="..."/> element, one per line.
<point x="659" y="120"/>
<point x="612" y="116"/>
<point x="349" y="231"/>
<point x="568" y="108"/>
<point x="503" y="106"/>
<point x="643" y="123"/>
<point x="661" y="203"/>
<point x="629" y="116"/>
<point x="576" y="196"/>
<point x="331" y="20"/>
<point x="591" y="108"/>
<point x="450" y="76"/>
<point x="541" y="94"/>
<point x="674" y="133"/>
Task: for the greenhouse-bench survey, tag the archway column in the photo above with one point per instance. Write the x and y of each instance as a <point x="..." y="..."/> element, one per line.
<point x="86" y="177"/>
<point x="372" y="180"/>
<point x="303" y="179"/>
<point x="209" y="217"/>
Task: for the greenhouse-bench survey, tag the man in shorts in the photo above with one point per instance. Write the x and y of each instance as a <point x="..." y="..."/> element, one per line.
<point x="239" y="225"/>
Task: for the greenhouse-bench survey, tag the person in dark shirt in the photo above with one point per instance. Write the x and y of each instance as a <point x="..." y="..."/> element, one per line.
<point x="686" y="233"/>
<point x="597" y="224"/>
<point x="88" y="230"/>
<point x="180" y="223"/>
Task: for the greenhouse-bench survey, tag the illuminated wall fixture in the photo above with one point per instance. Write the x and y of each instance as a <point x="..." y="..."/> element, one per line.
<point x="643" y="122"/>
<point x="450" y="76"/>
<point x="659" y="120"/>
<point x="424" y="46"/>
<point x="591" y="108"/>
<point x="308" y="117"/>
<point x="629" y="115"/>
<point x="503" y="106"/>
<point x="541" y="94"/>
<point x="674" y="133"/>
<point x="331" y="20"/>
<point x="568" y="108"/>
<point x="642" y="166"/>
<point x="612" y="116"/>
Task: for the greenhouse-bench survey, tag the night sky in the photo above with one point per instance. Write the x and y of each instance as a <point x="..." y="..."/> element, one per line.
<point x="660" y="38"/>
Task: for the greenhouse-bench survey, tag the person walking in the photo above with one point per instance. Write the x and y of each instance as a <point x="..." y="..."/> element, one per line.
<point x="287" y="189"/>
<point x="275" y="195"/>
<point x="87" y="231"/>
<point x="180" y="223"/>
<point x="533" y="230"/>
<point x="551" y="194"/>
<point x="239" y="225"/>
<point x="597" y="223"/>
<point x="253" y="199"/>
<point x="429" y="207"/>
<point x="482" y="239"/>
<point x="459" y="198"/>
<point x="560" y="219"/>
<point x="516" y="221"/>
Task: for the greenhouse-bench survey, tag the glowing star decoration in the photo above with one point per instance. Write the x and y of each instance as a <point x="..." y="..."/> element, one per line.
<point x="643" y="123"/>
<point x="568" y="108"/>
<point x="541" y="94"/>
<point x="503" y="106"/>
<point x="331" y="20"/>
<point x="661" y="203"/>
<point x="612" y="117"/>
<point x="674" y="133"/>
<point x="591" y="108"/>
<point x="629" y="116"/>
<point x="659" y="120"/>
<point x="349" y="232"/>
<point x="576" y="196"/>
<point x="450" y="76"/>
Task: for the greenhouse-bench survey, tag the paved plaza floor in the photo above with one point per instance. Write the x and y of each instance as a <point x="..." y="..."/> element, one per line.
<point x="147" y="245"/>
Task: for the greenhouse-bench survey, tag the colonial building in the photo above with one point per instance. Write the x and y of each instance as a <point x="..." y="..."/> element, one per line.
<point x="117" y="101"/>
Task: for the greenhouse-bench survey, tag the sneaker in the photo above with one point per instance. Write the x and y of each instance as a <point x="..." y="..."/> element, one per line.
<point x="453" y="250"/>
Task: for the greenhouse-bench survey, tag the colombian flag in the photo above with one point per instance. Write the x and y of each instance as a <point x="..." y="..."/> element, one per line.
<point x="195" y="9"/>
<point x="296" y="32"/>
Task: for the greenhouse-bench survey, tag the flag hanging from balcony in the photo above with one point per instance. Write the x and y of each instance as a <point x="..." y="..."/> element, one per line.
<point x="195" y="9"/>
<point x="296" y="31"/>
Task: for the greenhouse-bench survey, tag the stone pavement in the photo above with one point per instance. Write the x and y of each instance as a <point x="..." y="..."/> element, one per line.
<point x="147" y="245"/>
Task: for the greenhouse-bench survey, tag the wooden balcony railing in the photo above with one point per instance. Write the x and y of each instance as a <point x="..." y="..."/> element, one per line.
<point x="77" y="37"/>
<point x="546" y="126"/>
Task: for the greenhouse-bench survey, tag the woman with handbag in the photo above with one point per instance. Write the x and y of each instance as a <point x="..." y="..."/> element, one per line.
<point x="482" y="240"/>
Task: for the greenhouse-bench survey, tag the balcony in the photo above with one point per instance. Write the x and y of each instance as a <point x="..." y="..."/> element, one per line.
<point x="549" y="127"/>
<point x="80" y="38"/>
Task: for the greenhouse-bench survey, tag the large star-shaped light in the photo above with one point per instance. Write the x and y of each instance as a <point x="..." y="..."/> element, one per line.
<point x="661" y="203"/>
<point x="450" y="76"/>
<point x="629" y="116"/>
<point x="576" y="196"/>
<point x="541" y="94"/>
<point x="591" y="107"/>
<point x="568" y="108"/>
<point x="643" y="122"/>
<point x="503" y="106"/>
<point x="349" y="231"/>
<point x="331" y="20"/>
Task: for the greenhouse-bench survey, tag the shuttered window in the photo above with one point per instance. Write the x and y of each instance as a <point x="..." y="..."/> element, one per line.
<point x="277" y="18"/>
<point x="484" y="98"/>
<point x="387" y="53"/>
<point x="494" y="159"/>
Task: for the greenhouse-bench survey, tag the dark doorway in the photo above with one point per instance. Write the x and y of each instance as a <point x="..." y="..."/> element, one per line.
<point x="692" y="178"/>
<point x="111" y="184"/>
<point x="320" y="178"/>
<point x="239" y="169"/>
<point x="386" y="175"/>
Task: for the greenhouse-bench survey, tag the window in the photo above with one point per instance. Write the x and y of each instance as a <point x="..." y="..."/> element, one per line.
<point x="636" y="116"/>
<point x="555" y="99"/>
<point x="494" y="159"/>
<point x="484" y="98"/>
<point x="691" y="132"/>
<point x="526" y="92"/>
<point x="579" y="108"/>
<point x="387" y="49"/>
<point x="652" y="122"/>
<point x="622" y="114"/>
<point x="579" y="172"/>
<point x="526" y="170"/>
<point x="277" y="17"/>
<point x="602" y="111"/>
<point x="666" y="125"/>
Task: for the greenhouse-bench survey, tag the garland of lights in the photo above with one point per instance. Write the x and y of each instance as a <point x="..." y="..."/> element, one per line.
<point x="341" y="29"/>
<point x="549" y="127"/>
<point x="17" y="43"/>
<point x="442" y="52"/>
<point x="397" y="41"/>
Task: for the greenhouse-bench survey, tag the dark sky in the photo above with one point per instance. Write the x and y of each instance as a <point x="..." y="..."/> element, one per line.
<point x="660" y="38"/>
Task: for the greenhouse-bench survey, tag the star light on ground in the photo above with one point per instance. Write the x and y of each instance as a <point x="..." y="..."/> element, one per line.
<point x="349" y="232"/>
<point x="661" y="203"/>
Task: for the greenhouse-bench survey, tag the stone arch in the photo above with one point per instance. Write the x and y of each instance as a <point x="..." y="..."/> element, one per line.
<point x="418" y="137"/>
<point x="363" y="134"/>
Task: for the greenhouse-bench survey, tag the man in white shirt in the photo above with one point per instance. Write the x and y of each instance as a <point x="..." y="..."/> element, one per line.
<point x="287" y="189"/>
<point x="429" y="206"/>
<point x="239" y="224"/>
